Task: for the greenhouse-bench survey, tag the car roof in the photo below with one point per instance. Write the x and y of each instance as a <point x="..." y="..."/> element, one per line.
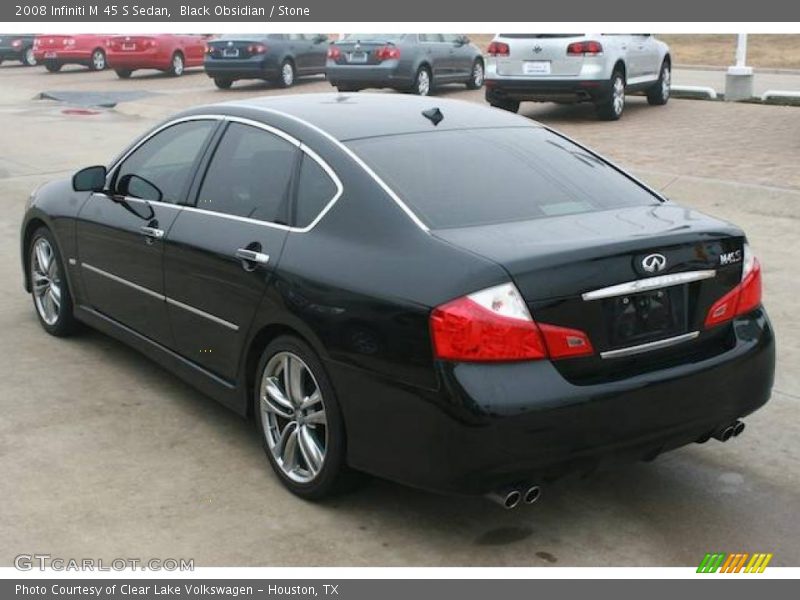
<point x="352" y="116"/>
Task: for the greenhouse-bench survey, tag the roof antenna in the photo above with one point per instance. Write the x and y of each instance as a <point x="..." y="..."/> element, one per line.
<point x="434" y="115"/>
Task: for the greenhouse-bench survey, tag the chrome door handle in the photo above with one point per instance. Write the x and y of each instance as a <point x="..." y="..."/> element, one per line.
<point x="153" y="232"/>
<point x="252" y="256"/>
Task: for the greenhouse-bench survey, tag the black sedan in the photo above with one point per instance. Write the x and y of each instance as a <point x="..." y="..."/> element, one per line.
<point x="435" y="292"/>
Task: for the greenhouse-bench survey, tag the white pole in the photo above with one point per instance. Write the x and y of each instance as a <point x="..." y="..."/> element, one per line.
<point x="741" y="50"/>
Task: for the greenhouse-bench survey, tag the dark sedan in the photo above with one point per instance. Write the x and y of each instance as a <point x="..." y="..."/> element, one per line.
<point x="17" y="46"/>
<point x="279" y="58"/>
<point x="408" y="62"/>
<point x="443" y="294"/>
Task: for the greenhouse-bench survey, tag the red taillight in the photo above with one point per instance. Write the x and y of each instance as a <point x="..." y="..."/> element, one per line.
<point x="16" y="43"/>
<point x="580" y="48"/>
<point x="387" y="53"/>
<point x="742" y="299"/>
<point x="498" y="49"/>
<point x="257" y="49"/>
<point x="334" y="53"/>
<point x="495" y="325"/>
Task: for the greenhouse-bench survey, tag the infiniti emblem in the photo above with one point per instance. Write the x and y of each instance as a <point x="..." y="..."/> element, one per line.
<point x="230" y="44"/>
<point x="654" y="263"/>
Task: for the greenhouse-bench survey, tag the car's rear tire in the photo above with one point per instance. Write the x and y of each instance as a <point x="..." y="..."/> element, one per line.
<point x="222" y="83"/>
<point x="423" y="82"/>
<point x="98" y="61"/>
<point x="658" y="94"/>
<point x="49" y="290"/>
<point x="123" y="73"/>
<point x="612" y="106"/>
<point x="347" y="88"/>
<point x="177" y="65"/>
<point x="53" y="67"/>
<point x="28" y="58"/>
<point x="299" y="420"/>
<point x="475" y="81"/>
<point x="287" y="74"/>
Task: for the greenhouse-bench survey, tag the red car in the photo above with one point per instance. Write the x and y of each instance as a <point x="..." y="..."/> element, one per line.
<point x="55" y="51"/>
<point x="165" y="52"/>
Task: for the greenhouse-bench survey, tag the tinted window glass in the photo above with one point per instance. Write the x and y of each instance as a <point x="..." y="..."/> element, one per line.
<point x="314" y="190"/>
<point x="381" y="37"/>
<point x="249" y="174"/>
<point x="481" y="176"/>
<point x="164" y="161"/>
<point x="430" y="37"/>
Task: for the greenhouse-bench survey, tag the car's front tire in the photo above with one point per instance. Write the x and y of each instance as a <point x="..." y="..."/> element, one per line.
<point x="53" y="67"/>
<point x="177" y="65"/>
<point x="299" y="420"/>
<point x="49" y="290"/>
<point x="612" y="106"/>
<point x="222" y="83"/>
<point x="123" y="73"/>
<point x="658" y="95"/>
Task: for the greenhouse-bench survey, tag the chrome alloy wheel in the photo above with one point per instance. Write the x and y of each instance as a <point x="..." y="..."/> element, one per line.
<point x="477" y="74"/>
<point x="666" y="76"/>
<point x="293" y="417"/>
<point x="177" y="65"/>
<point x="287" y="74"/>
<point x="618" y="96"/>
<point x="46" y="281"/>
<point x="423" y="83"/>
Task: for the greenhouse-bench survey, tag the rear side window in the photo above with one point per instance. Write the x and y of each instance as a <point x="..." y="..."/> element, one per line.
<point x="461" y="178"/>
<point x="163" y="164"/>
<point x="249" y="174"/>
<point x="315" y="190"/>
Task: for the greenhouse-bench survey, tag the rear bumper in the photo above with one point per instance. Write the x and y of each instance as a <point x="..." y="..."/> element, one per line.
<point x="80" y="57"/>
<point x="387" y="74"/>
<point x="248" y="68"/>
<point x="495" y="425"/>
<point x="10" y="54"/>
<point x="547" y="90"/>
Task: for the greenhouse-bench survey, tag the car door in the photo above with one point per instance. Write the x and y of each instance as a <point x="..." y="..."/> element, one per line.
<point x="647" y="46"/>
<point x="460" y="55"/>
<point x="434" y="50"/>
<point x="300" y="47"/>
<point x="220" y="254"/>
<point x="318" y="52"/>
<point x="194" y="48"/>
<point x="634" y="47"/>
<point x="120" y="233"/>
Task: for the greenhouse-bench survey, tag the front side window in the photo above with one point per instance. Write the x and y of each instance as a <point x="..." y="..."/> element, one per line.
<point x="249" y="175"/>
<point x="161" y="168"/>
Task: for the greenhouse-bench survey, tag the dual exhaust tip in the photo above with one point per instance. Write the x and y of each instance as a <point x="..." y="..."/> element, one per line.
<point x="729" y="431"/>
<point x="512" y="497"/>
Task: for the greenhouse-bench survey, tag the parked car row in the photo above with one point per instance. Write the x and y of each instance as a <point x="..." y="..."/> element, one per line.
<point x="564" y="68"/>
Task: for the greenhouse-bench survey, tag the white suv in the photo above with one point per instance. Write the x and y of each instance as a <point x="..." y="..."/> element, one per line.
<point x="576" y="67"/>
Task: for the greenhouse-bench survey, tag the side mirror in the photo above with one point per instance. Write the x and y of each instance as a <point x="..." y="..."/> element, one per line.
<point x="320" y="37"/>
<point x="462" y="40"/>
<point x="138" y="187"/>
<point x="90" y="179"/>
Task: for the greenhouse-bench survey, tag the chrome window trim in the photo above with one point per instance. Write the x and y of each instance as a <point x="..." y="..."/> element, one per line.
<point x="650" y="283"/>
<point x="259" y="125"/>
<point x="118" y="279"/>
<point x="649" y="346"/>
<point x="160" y="297"/>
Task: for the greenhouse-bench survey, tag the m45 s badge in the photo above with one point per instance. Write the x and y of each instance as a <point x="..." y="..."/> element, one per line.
<point x="728" y="258"/>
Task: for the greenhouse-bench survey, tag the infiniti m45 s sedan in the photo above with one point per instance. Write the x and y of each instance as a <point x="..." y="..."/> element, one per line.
<point x="446" y="295"/>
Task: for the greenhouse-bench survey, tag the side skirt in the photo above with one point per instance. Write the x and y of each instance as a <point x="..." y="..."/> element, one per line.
<point x="222" y="390"/>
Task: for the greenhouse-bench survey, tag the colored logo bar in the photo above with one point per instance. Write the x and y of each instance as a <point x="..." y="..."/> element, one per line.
<point x="737" y="562"/>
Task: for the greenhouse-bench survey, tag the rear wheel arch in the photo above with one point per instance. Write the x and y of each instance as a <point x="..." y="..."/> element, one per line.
<point x="619" y="67"/>
<point x="256" y="347"/>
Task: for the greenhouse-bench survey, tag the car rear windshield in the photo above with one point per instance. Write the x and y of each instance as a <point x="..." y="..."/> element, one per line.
<point x="538" y="36"/>
<point x="379" y="37"/>
<point x="468" y="177"/>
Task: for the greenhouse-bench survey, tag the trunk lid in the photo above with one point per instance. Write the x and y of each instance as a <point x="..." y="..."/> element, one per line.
<point x="539" y="55"/>
<point x="132" y="43"/>
<point x="234" y="49"/>
<point x="357" y="52"/>
<point x="53" y="42"/>
<point x="560" y="263"/>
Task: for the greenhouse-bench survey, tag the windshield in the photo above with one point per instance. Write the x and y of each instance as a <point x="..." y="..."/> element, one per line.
<point x="462" y="178"/>
<point x="382" y="37"/>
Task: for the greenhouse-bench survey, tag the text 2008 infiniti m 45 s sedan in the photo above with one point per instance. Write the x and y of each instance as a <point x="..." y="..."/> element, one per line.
<point x="439" y="293"/>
